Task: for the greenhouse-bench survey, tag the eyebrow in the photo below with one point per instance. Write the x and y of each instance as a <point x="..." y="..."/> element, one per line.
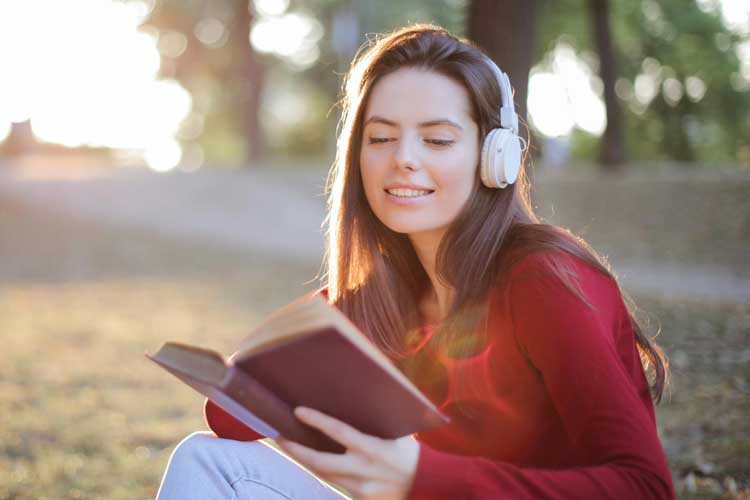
<point x="430" y="123"/>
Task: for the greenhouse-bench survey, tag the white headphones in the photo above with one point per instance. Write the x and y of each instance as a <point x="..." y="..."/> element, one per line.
<point x="501" y="150"/>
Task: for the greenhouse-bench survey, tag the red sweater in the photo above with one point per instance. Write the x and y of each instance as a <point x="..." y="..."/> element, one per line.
<point x="561" y="404"/>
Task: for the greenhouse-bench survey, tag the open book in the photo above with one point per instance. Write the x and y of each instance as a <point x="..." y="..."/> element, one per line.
<point x="305" y="354"/>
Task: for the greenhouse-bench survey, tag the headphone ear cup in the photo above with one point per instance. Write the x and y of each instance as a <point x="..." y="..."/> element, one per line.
<point x="510" y="157"/>
<point x="486" y="170"/>
<point x="501" y="158"/>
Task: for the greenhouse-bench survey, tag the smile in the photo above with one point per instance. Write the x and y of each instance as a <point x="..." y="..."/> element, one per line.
<point x="408" y="193"/>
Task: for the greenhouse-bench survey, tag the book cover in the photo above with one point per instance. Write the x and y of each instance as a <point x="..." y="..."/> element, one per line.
<point x="306" y="355"/>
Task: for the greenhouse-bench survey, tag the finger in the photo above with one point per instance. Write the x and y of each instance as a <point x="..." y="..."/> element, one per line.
<point x="342" y="432"/>
<point x="325" y="463"/>
<point x="350" y="484"/>
<point x="358" y="488"/>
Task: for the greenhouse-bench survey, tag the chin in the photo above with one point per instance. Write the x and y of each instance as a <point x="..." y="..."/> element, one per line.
<point x="410" y="227"/>
<point x="401" y="227"/>
<point x="398" y="227"/>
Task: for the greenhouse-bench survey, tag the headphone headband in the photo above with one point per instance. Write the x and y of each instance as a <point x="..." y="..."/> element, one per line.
<point x="508" y="116"/>
<point x="501" y="150"/>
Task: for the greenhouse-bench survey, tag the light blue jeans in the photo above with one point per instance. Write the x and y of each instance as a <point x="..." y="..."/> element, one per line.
<point x="205" y="467"/>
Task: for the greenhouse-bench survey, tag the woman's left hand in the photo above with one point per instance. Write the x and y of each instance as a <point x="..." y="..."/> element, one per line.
<point x="371" y="468"/>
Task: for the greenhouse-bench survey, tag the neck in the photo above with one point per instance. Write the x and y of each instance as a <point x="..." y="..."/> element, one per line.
<point x="426" y="246"/>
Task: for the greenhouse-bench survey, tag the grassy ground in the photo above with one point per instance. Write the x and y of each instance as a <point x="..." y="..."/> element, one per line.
<point x="683" y="217"/>
<point x="85" y="415"/>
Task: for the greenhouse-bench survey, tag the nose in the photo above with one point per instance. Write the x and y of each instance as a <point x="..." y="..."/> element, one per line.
<point x="406" y="156"/>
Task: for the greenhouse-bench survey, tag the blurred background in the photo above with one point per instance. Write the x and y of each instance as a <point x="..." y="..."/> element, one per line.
<point x="162" y="165"/>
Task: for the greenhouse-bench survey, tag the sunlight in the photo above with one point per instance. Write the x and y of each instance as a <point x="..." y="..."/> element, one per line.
<point x="271" y="7"/>
<point x="563" y="94"/>
<point x="734" y="13"/>
<point x="293" y="36"/>
<point x="548" y="105"/>
<point x="163" y="156"/>
<point x="4" y="130"/>
<point x="85" y="76"/>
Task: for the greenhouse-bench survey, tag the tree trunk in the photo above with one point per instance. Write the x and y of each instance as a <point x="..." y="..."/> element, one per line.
<point x="675" y="142"/>
<point x="505" y="30"/>
<point x="249" y="82"/>
<point x="21" y="139"/>
<point x="612" y="149"/>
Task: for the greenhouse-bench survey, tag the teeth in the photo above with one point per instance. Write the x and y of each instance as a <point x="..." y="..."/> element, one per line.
<point x="408" y="193"/>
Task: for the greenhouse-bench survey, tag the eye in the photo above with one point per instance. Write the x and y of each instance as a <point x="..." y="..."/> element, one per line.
<point x="440" y="142"/>
<point x="377" y="140"/>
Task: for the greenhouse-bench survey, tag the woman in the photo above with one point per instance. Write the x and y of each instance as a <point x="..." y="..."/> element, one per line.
<point x="514" y="328"/>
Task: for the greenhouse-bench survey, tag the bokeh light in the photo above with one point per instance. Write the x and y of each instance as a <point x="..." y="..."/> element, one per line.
<point x="172" y="44"/>
<point x="564" y="93"/>
<point x="163" y="156"/>
<point x="211" y="32"/>
<point x="271" y="7"/>
<point x="293" y="36"/>
<point x="673" y="91"/>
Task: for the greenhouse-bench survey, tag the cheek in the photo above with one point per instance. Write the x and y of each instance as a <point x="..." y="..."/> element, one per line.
<point x="369" y="170"/>
<point x="458" y="177"/>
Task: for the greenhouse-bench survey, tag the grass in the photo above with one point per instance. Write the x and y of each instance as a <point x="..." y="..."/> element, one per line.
<point x="681" y="217"/>
<point x="86" y="415"/>
<point x="703" y="419"/>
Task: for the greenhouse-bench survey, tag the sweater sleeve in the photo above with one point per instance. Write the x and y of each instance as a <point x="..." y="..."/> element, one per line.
<point x="225" y="425"/>
<point x="573" y="347"/>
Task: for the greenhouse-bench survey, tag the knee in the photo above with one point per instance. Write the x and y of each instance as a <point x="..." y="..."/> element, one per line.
<point x="195" y="448"/>
<point x="204" y="450"/>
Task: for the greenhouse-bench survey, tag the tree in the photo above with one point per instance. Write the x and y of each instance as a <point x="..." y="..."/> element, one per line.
<point x="231" y="72"/>
<point x="678" y="76"/>
<point x="249" y="81"/>
<point x="505" y="30"/>
<point x="21" y="139"/>
<point x="612" y="149"/>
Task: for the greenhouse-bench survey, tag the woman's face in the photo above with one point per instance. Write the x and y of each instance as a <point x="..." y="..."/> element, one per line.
<point x="419" y="152"/>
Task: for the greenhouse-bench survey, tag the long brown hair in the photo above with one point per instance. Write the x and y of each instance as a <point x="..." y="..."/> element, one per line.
<point x="373" y="273"/>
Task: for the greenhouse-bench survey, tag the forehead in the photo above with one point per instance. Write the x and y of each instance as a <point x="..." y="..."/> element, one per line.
<point x="414" y="95"/>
